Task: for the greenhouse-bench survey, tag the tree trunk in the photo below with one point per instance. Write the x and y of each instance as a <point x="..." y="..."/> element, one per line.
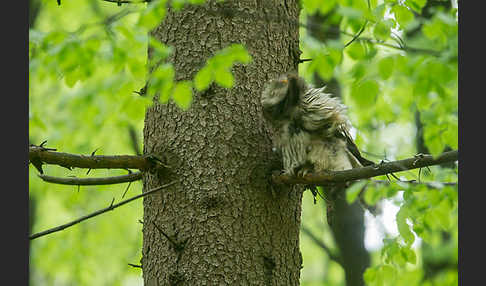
<point x="224" y="224"/>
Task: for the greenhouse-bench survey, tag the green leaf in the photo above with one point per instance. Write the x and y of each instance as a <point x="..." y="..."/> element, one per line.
<point x="388" y="273"/>
<point x="71" y="78"/>
<point x="152" y="15"/>
<point x="353" y="191"/>
<point x="224" y="78"/>
<point x="365" y="92"/>
<point x="356" y="50"/>
<point x="382" y="29"/>
<point x="369" y="275"/>
<point x="203" y="78"/>
<point x="182" y="94"/>
<point x="409" y="255"/>
<point x="218" y="67"/>
<point x="403" y="227"/>
<point x="159" y="50"/>
<point x="236" y="53"/>
<point x="385" y="67"/>
<point x="379" y="11"/>
<point x="403" y="15"/>
<point x="326" y="6"/>
<point x="416" y="5"/>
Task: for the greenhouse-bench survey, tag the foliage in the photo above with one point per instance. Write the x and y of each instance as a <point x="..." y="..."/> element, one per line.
<point x="87" y="59"/>
<point x="404" y="60"/>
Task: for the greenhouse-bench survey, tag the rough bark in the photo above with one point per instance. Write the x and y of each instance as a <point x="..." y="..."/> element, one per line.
<point x="348" y="227"/>
<point x="226" y="225"/>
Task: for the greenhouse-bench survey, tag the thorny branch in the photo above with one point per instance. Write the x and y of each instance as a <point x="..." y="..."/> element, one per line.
<point x="432" y="185"/>
<point x="93" y="181"/>
<point x="96" y="213"/>
<point x="44" y="156"/>
<point x="332" y="177"/>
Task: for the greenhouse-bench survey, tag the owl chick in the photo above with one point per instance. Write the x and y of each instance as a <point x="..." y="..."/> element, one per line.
<point x="311" y="127"/>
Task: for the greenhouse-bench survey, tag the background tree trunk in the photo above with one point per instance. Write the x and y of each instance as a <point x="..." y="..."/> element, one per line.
<point x="348" y="228"/>
<point x="227" y="226"/>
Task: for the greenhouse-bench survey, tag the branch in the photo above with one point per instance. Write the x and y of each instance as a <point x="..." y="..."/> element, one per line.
<point x="432" y="185"/>
<point x="330" y="177"/>
<point x="322" y="245"/>
<point x="40" y="154"/>
<point x="96" y="213"/>
<point x="93" y="181"/>
<point x="119" y="2"/>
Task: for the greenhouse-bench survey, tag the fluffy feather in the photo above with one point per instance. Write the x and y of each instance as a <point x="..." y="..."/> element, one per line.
<point x="311" y="127"/>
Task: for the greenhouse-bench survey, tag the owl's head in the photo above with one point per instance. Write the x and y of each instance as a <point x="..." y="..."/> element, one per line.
<point x="282" y="94"/>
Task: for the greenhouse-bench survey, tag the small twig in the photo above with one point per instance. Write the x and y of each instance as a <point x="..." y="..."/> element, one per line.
<point x="360" y="30"/>
<point x="304" y="60"/>
<point x="135" y="265"/>
<point x="98" y="212"/>
<point x="321" y="244"/>
<point x="126" y="190"/>
<point x="357" y="35"/>
<point x="92" y="181"/>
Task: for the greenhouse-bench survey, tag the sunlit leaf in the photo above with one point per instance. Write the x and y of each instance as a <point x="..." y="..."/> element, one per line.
<point x="353" y="191"/>
<point x="182" y="94"/>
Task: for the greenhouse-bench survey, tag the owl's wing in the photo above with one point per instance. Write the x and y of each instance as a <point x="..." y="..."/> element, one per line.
<point x="325" y="115"/>
<point x="342" y="132"/>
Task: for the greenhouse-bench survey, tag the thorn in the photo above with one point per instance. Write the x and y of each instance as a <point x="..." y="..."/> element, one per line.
<point x="92" y="154"/>
<point x="126" y="190"/>
<point x="304" y="60"/>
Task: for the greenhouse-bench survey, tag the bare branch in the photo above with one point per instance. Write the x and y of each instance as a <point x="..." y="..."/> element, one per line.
<point x="93" y="181"/>
<point x="66" y="160"/>
<point x="119" y="2"/>
<point x="321" y="244"/>
<point x="96" y="213"/>
<point x="331" y="177"/>
<point x="432" y="185"/>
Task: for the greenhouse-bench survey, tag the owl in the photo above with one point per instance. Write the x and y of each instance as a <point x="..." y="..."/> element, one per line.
<point x="311" y="127"/>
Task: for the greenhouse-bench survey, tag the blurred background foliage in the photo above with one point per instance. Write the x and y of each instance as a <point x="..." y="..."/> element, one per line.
<point x="396" y="65"/>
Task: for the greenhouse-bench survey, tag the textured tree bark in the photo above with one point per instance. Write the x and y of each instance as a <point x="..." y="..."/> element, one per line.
<point x="348" y="220"/>
<point x="222" y="224"/>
